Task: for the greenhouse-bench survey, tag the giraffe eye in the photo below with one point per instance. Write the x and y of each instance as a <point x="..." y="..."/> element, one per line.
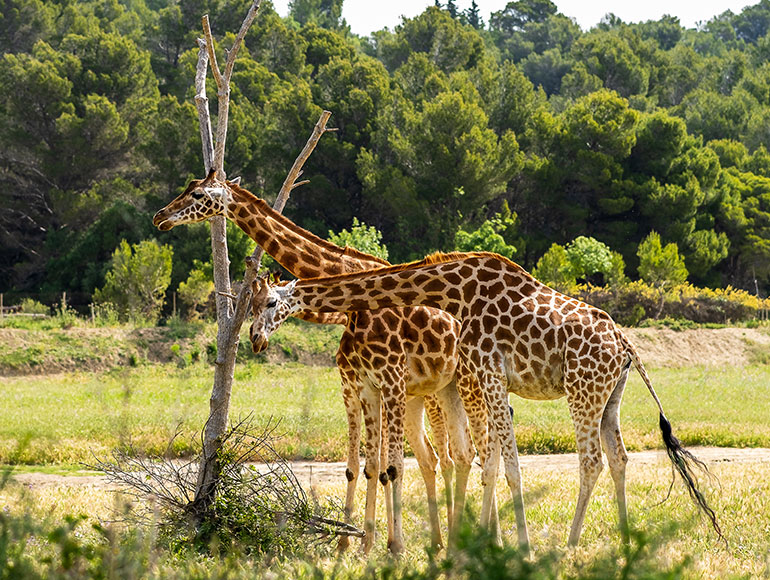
<point x="197" y="195"/>
<point x="272" y="302"/>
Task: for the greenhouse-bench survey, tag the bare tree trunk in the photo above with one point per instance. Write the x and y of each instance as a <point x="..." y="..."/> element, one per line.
<point x="229" y="317"/>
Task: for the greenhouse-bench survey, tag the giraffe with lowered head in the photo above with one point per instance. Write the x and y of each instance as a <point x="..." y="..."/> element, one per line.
<point x="388" y="360"/>
<point x="518" y="335"/>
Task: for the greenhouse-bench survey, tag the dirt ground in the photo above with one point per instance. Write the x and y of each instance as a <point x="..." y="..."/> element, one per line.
<point x="663" y="347"/>
<point x="312" y="473"/>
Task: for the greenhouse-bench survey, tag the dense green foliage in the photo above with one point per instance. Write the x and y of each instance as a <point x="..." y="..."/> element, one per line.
<point x="137" y="280"/>
<point x="444" y="123"/>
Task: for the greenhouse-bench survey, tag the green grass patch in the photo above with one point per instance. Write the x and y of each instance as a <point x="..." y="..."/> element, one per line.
<point x="65" y="418"/>
<point x="722" y="406"/>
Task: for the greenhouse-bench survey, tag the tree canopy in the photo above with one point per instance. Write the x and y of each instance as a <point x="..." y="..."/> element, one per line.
<point x="455" y="129"/>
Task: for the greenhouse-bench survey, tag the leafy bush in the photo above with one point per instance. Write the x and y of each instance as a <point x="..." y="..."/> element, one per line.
<point x="584" y="258"/>
<point x="137" y="280"/>
<point x="491" y="236"/>
<point x="660" y="266"/>
<point x="555" y="269"/>
<point x="105" y="314"/>
<point x="590" y="257"/>
<point x="255" y="509"/>
<point x="32" y="306"/>
<point x="361" y="237"/>
<point x="195" y="291"/>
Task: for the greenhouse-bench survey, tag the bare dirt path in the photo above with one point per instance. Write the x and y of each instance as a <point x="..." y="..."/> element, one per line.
<point x="313" y="472"/>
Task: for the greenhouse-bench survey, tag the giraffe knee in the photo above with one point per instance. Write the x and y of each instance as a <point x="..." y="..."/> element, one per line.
<point x="392" y="472"/>
<point x="384" y="478"/>
<point x="368" y="474"/>
<point x="349" y="475"/>
<point x="592" y="465"/>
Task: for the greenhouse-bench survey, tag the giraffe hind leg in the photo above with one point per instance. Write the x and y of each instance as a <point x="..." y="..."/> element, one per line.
<point x="615" y="450"/>
<point x="352" y="401"/>
<point x="370" y="405"/>
<point x="427" y="461"/>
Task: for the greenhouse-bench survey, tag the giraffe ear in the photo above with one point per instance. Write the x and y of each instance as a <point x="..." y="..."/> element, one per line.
<point x="236" y="181"/>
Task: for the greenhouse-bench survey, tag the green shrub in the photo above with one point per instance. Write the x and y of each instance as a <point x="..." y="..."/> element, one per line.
<point x="32" y="306"/>
<point x="555" y="269"/>
<point x="194" y="291"/>
<point x="137" y="280"/>
<point x="583" y="259"/>
<point x="491" y="236"/>
<point x="660" y="266"/>
<point x="105" y="314"/>
<point x="361" y="237"/>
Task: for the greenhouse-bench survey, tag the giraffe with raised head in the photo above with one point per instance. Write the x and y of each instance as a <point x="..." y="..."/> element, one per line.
<point x="389" y="360"/>
<point x="519" y="336"/>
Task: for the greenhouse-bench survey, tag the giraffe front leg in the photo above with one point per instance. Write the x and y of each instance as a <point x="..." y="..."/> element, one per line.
<point x="490" y="467"/>
<point x="441" y="441"/>
<point x="461" y="445"/>
<point x="483" y="437"/>
<point x="394" y="394"/>
<point x="352" y="401"/>
<point x="370" y="406"/>
<point x="494" y="387"/>
<point x="426" y="460"/>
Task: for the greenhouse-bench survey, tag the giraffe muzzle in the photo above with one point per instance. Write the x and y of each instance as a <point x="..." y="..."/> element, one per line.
<point x="161" y="222"/>
<point x="259" y="344"/>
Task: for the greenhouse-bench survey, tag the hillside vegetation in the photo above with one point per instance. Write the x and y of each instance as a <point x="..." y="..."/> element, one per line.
<point x="512" y="131"/>
<point x="44" y="347"/>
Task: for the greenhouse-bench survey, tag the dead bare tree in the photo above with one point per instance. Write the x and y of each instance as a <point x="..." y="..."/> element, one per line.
<point x="231" y="310"/>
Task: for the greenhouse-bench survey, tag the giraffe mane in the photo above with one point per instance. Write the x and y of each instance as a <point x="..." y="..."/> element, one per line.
<point x="430" y="260"/>
<point x="310" y="236"/>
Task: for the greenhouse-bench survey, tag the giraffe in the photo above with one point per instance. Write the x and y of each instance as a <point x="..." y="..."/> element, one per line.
<point x="518" y="335"/>
<point x="420" y="345"/>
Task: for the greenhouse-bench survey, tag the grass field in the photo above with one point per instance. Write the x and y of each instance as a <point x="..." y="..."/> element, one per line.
<point x="677" y="543"/>
<point x="55" y="422"/>
<point x="65" y="418"/>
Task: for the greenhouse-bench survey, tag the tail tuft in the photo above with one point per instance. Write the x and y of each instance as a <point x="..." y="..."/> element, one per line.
<point x="685" y="462"/>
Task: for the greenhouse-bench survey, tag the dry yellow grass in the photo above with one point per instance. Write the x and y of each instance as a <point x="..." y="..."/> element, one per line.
<point x="673" y="527"/>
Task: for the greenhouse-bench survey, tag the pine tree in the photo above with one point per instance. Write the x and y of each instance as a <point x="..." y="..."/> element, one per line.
<point x="473" y="17"/>
<point x="451" y="8"/>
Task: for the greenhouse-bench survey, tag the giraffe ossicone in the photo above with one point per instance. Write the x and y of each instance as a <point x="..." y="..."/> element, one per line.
<point x="518" y="335"/>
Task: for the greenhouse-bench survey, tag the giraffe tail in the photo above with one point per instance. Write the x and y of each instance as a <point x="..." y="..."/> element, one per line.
<point x="684" y="462"/>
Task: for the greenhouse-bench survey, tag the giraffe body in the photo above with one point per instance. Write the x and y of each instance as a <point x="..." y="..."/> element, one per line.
<point x="385" y="358"/>
<point x="517" y="335"/>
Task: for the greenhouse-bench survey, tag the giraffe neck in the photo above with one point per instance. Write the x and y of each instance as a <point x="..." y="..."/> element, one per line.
<point x="302" y="253"/>
<point x="449" y="282"/>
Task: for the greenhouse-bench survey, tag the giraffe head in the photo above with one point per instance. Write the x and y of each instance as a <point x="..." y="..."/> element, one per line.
<point x="203" y="198"/>
<point x="271" y="305"/>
